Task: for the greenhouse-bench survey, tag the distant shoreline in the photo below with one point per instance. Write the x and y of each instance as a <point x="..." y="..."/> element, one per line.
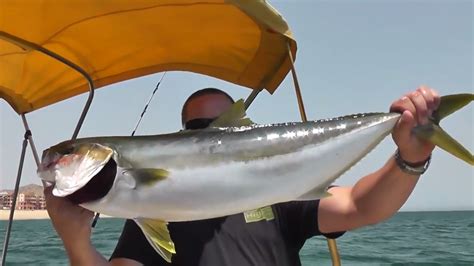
<point x="29" y="215"/>
<point x="43" y="214"/>
<point x="24" y="215"/>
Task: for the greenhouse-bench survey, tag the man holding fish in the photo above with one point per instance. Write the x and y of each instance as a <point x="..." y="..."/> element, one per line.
<point x="271" y="235"/>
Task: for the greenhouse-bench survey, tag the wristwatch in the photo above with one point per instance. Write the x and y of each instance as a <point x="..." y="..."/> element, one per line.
<point x="410" y="168"/>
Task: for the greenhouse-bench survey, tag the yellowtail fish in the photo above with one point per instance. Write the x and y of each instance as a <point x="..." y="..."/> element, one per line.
<point x="231" y="167"/>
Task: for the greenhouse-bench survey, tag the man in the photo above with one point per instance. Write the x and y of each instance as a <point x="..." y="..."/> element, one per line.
<point x="276" y="240"/>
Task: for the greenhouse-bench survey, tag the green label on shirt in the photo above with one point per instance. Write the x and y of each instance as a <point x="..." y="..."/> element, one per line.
<point x="265" y="213"/>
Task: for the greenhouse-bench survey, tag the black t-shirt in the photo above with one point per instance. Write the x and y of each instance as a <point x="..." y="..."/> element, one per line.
<point x="250" y="238"/>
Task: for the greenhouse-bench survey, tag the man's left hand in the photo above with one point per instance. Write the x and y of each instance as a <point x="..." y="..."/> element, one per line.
<point x="416" y="107"/>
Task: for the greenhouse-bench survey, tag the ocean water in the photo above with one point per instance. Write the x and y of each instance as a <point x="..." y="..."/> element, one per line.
<point x="412" y="238"/>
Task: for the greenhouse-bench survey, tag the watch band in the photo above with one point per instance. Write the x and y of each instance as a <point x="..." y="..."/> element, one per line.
<point x="410" y="168"/>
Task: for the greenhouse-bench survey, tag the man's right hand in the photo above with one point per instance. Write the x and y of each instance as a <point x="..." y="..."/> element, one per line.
<point x="72" y="222"/>
<point x="73" y="225"/>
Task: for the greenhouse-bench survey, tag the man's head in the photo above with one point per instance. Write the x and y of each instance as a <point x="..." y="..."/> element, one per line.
<point x="203" y="106"/>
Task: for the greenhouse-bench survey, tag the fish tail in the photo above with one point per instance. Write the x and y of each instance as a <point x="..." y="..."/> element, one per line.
<point x="433" y="133"/>
<point x="450" y="104"/>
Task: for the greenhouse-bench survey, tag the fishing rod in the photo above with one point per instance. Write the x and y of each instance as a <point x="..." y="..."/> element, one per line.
<point x="148" y="103"/>
<point x="97" y="215"/>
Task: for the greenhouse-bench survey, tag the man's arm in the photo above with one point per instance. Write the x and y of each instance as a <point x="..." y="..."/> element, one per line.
<point x="73" y="225"/>
<point x="379" y="195"/>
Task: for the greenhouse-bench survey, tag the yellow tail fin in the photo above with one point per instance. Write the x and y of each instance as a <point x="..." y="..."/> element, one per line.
<point x="433" y="133"/>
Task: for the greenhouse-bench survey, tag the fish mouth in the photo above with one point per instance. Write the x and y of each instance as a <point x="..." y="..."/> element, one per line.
<point x="73" y="168"/>
<point x="98" y="186"/>
<point x="50" y="163"/>
<point x="45" y="170"/>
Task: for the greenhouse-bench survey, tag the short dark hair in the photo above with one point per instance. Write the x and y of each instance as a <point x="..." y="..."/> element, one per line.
<point x="205" y="91"/>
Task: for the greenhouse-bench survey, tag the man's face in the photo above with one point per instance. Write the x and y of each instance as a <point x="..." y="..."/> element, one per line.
<point x="209" y="106"/>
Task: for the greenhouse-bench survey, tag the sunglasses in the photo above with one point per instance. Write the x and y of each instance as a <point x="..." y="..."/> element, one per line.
<point x="198" y="123"/>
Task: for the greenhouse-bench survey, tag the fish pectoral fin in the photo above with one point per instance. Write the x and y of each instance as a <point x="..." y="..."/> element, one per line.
<point x="157" y="234"/>
<point x="147" y="176"/>
<point x="314" y="194"/>
<point x="233" y="117"/>
<point x="436" y="135"/>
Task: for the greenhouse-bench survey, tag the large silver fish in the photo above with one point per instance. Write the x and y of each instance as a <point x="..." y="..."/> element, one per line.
<point x="231" y="167"/>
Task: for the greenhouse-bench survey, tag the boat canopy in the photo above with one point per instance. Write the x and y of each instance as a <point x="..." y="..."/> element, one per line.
<point x="243" y="42"/>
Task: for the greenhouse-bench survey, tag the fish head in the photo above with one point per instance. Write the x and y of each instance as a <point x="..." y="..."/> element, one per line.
<point x="71" y="165"/>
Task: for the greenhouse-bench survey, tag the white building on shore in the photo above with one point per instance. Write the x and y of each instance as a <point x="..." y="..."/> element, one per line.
<point x="25" y="201"/>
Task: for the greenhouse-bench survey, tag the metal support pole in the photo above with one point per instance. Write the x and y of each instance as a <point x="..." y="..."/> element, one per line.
<point x="30" y="139"/>
<point x="332" y="246"/>
<point x="297" y="88"/>
<point x="251" y="97"/>
<point x="85" y="110"/>
<point x="26" y="45"/>
<point x="336" y="259"/>
<point x="15" y="195"/>
<point x="32" y="145"/>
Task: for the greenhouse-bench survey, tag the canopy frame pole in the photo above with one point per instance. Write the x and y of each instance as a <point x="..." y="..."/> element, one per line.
<point x="26" y="45"/>
<point x="15" y="195"/>
<point x="85" y="110"/>
<point x="30" y="140"/>
<point x="297" y="88"/>
<point x="251" y="97"/>
<point x="332" y="245"/>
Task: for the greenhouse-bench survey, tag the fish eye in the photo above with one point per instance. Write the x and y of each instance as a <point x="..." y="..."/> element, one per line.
<point x="68" y="150"/>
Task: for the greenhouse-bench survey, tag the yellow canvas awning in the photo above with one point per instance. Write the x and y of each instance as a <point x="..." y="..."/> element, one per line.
<point x="243" y="42"/>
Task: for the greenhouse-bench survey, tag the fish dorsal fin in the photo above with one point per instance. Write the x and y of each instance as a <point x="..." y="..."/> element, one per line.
<point x="233" y="117"/>
<point x="314" y="194"/>
<point x="147" y="176"/>
<point x="157" y="234"/>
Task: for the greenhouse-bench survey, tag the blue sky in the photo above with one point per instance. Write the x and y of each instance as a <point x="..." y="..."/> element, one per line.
<point x="353" y="56"/>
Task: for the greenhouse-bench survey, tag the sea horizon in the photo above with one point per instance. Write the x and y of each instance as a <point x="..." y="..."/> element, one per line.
<point x="26" y="215"/>
<point x="415" y="238"/>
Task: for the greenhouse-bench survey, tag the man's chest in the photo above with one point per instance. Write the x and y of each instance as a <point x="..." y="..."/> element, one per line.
<point x="250" y="238"/>
<point x="255" y="225"/>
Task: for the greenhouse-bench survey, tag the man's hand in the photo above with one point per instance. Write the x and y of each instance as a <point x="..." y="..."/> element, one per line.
<point x="72" y="222"/>
<point x="415" y="107"/>
<point x="73" y="225"/>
